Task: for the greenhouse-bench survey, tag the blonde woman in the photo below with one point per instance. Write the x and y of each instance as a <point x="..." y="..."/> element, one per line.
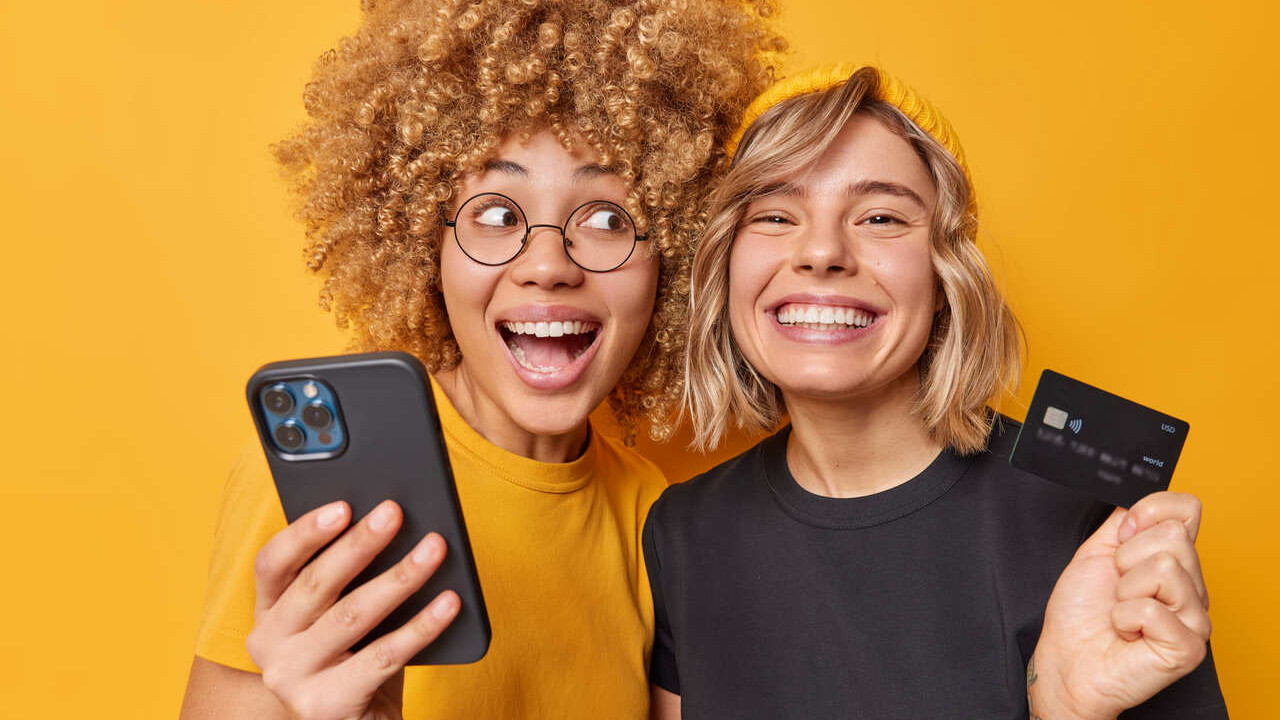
<point x="879" y="557"/>
<point x="510" y="192"/>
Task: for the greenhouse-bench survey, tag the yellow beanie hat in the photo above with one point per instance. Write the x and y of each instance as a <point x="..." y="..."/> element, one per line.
<point x="892" y="91"/>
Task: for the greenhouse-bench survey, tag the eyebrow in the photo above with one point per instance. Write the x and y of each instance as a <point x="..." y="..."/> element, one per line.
<point x="584" y="172"/>
<point x="884" y="187"/>
<point x="593" y="170"/>
<point x="506" y="166"/>
<point x="862" y="187"/>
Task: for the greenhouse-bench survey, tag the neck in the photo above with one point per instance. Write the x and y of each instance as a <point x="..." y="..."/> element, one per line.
<point x="850" y="447"/>
<point x="486" y="417"/>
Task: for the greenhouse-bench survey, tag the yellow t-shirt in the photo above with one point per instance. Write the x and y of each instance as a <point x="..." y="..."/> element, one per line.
<point x="557" y="548"/>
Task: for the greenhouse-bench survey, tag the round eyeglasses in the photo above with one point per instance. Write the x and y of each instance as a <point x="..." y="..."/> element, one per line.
<point x="491" y="229"/>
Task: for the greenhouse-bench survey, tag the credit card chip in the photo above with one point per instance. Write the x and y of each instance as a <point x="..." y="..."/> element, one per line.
<point x="1055" y="418"/>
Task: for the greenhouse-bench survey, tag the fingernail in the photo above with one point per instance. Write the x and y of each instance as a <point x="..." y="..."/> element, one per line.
<point x="1128" y="529"/>
<point x="444" y="606"/>
<point x="381" y="519"/>
<point x="331" y="515"/>
<point x="426" y="551"/>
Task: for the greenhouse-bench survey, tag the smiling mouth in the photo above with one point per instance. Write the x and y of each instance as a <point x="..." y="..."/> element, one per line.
<point x="827" y="318"/>
<point x="548" y="347"/>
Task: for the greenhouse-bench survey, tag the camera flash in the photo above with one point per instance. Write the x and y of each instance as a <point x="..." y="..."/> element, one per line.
<point x="310" y="390"/>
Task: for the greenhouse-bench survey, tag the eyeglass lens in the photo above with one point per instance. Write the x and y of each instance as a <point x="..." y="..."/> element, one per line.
<point x="492" y="229"/>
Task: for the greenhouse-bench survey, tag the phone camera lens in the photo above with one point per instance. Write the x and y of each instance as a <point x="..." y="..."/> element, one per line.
<point x="278" y="400"/>
<point x="317" y="416"/>
<point x="290" y="436"/>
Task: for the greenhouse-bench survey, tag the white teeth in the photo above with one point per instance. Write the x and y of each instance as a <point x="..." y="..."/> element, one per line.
<point x="823" y="317"/>
<point x="550" y="328"/>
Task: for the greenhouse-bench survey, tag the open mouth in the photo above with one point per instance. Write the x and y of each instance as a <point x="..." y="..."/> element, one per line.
<point x="828" y="318"/>
<point x="548" y="347"/>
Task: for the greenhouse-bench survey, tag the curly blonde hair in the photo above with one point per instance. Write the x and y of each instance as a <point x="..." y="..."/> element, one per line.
<point x="426" y="90"/>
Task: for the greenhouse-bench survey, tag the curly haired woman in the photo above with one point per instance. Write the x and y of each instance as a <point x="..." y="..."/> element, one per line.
<point x="459" y="160"/>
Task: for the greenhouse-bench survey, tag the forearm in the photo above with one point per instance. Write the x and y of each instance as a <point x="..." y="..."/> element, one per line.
<point x="217" y="692"/>
<point x="663" y="705"/>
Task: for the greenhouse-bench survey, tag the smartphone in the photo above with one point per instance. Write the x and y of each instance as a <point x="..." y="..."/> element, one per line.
<point x="363" y="428"/>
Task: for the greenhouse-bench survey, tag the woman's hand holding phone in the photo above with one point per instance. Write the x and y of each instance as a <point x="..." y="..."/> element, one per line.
<point x="1128" y="616"/>
<point x="304" y="626"/>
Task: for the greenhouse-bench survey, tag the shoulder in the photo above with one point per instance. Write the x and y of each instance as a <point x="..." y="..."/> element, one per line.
<point x="727" y="488"/>
<point x="249" y="485"/>
<point x="250" y="505"/>
<point x="250" y="511"/>
<point x="992" y="463"/>
<point x="699" y="514"/>
<point x="1003" y="436"/>
<point x="1025" y="497"/>
<point x="625" y="470"/>
<point x="249" y="467"/>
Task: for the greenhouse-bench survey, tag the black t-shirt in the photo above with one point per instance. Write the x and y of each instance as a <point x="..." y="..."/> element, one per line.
<point x="922" y="601"/>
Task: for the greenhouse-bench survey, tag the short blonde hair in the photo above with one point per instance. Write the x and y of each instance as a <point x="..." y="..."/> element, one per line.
<point x="426" y="90"/>
<point x="974" y="348"/>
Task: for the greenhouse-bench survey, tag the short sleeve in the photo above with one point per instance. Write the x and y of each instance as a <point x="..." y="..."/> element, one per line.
<point x="249" y="517"/>
<point x="662" y="665"/>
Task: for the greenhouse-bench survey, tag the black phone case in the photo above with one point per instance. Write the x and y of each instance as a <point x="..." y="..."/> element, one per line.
<point x="394" y="449"/>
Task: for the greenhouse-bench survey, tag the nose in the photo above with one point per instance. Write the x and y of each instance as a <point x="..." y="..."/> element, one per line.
<point x="543" y="262"/>
<point x="824" y="250"/>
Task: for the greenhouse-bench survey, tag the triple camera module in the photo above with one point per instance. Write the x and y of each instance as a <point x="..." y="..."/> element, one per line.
<point x="301" y="417"/>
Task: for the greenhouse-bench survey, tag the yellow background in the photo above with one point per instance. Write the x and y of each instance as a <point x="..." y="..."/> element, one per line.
<point x="1124" y="155"/>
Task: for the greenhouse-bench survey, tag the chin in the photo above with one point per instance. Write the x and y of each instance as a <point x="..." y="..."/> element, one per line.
<point x="550" y="416"/>
<point x="821" y="390"/>
<point x="832" y="384"/>
<point x="818" y="382"/>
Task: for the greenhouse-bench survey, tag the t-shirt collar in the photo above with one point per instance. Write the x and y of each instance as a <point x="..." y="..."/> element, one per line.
<point x="857" y="512"/>
<point x="461" y="438"/>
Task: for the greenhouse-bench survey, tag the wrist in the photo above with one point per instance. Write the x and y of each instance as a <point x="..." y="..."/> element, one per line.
<point x="1049" y="698"/>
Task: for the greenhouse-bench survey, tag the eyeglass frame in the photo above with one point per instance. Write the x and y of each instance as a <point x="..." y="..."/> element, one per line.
<point x="564" y="232"/>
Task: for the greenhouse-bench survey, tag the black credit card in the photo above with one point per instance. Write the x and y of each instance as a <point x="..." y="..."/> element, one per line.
<point x="1098" y="443"/>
